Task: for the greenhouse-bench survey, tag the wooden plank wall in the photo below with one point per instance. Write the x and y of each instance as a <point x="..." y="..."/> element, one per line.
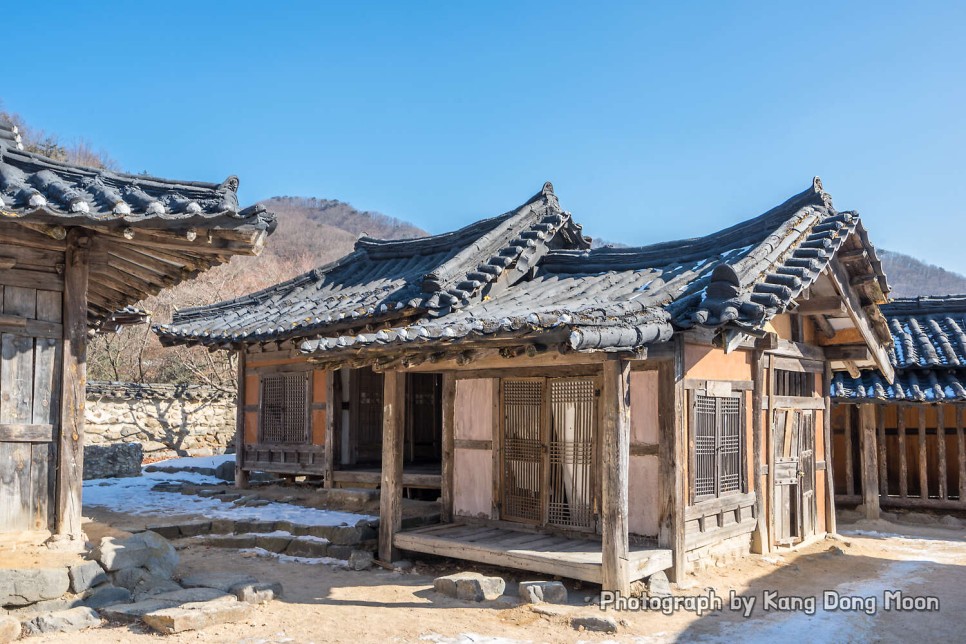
<point x="31" y="302"/>
<point x="476" y="474"/>
<point x="920" y="456"/>
<point x="644" y="500"/>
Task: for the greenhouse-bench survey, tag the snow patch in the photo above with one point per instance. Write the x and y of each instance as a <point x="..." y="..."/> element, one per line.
<point x="310" y="561"/>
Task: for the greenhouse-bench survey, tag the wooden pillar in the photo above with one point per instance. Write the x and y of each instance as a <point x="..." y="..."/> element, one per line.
<point x="883" y="453"/>
<point x="961" y="450"/>
<point x="831" y="525"/>
<point x="903" y="458"/>
<point x="448" y="403"/>
<point x="70" y="465"/>
<point x="941" y="448"/>
<point x="923" y="469"/>
<point x="241" y="475"/>
<point x="672" y="454"/>
<point x="615" y="461"/>
<point x="849" y="467"/>
<point x="332" y="407"/>
<point x="759" y="541"/>
<point x="393" y="435"/>
<point x="870" y="468"/>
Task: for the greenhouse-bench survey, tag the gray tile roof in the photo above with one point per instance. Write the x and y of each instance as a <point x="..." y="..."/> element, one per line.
<point x="382" y="280"/>
<point x="929" y="354"/>
<point x="616" y="299"/>
<point x="40" y="190"/>
<point x="150" y="233"/>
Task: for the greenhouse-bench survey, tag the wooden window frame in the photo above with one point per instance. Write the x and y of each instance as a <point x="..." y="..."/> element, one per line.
<point x="717" y="390"/>
<point x="304" y="377"/>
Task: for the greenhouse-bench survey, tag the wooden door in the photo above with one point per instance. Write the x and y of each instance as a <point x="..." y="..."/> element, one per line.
<point x="424" y="418"/>
<point x="365" y="416"/>
<point x="549" y="433"/>
<point x="30" y="372"/>
<point x="794" y="460"/>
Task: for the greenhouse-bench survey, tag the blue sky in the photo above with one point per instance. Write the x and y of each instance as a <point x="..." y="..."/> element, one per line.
<point x="654" y="121"/>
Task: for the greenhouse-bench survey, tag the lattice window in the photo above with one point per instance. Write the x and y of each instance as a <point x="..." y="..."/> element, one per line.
<point x="718" y="457"/>
<point x="522" y="450"/>
<point x="284" y="407"/>
<point x="573" y="412"/>
<point x="794" y="383"/>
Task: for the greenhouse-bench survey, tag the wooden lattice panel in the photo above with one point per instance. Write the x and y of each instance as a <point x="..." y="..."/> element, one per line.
<point x="523" y="450"/>
<point x="729" y="445"/>
<point x="284" y="408"/>
<point x="573" y="416"/>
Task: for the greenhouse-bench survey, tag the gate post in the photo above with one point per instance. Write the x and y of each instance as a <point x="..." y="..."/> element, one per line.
<point x="615" y="459"/>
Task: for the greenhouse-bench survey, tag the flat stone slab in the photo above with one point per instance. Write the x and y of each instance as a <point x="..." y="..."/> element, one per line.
<point x="598" y="624"/>
<point x="470" y="586"/>
<point x="130" y="613"/>
<point x="258" y="593"/>
<point x="537" y="592"/>
<point x="9" y="629"/>
<point x="22" y="586"/>
<point x="85" y="575"/>
<point x="223" y="581"/>
<point x="307" y="548"/>
<point x="64" y="621"/>
<point x="192" y="617"/>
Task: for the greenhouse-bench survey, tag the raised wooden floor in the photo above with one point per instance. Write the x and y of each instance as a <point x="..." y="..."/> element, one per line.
<point x="526" y="550"/>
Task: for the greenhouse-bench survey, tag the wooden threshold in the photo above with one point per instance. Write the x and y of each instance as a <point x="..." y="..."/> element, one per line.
<point x="525" y="550"/>
<point x="373" y="477"/>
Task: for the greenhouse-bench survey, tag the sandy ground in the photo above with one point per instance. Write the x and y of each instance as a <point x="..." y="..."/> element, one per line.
<point x="325" y="604"/>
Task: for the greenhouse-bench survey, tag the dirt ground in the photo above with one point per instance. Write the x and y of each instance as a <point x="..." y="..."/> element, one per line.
<point x="325" y="604"/>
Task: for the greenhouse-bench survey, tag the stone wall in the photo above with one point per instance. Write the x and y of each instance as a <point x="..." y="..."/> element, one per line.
<point x="167" y="420"/>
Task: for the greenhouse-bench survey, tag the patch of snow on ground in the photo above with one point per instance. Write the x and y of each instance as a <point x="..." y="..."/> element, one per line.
<point x="135" y="496"/>
<point x="262" y="552"/>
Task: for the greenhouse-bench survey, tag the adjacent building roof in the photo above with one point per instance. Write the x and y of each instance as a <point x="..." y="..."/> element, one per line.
<point x="151" y="233"/>
<point x="386" y="280"/>
<point x="620" y="299"/>
<point x="928" y="353"/>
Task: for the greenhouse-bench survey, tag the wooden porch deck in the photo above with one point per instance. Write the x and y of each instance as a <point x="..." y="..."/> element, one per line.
<point x="526" y="550"/>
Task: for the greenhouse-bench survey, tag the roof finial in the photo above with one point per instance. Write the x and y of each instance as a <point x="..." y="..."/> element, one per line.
<point x="547" y="188"/>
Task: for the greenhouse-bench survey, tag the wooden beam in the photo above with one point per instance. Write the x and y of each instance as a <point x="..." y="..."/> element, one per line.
<point x="26" y="433"/>
<point x="331" y="410"/>
<point x="70" y="453"/>
<point x="870" y="469"/>
<point x="923" y="462"/>
<point x="903" y="464"/>
<point x="853" y="255"/>
<point x="822" y="306"/>
<point x="241" y="474"/>
<point x="824" y="326"/>
<point x="615" y="462"/>
<point x="881" y="444"/>
<point x="673" y="456"/>
<point x="849" y="352"/>
<point x="831" y="526"/>
<point x="849" y="469"/>
<point x="860" y="318"/>
<point x="393" y="437"/>
<point x="941" y="449"/>
<point x="759" y="540"/>
<point x="448" y="403"/>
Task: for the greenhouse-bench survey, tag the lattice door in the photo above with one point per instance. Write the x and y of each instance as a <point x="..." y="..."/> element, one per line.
<point x="523" y="450"/>
<point x="284" y="408"/>
<point x="573" y="416"/>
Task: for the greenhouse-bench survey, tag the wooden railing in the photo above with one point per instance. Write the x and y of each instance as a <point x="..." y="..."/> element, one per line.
<point x="719" y="519"/>
<point x="285" y="459"/>
<point x="909" y="455"/>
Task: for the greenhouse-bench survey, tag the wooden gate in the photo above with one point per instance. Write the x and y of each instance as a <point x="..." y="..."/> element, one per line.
<point x="30" y="371"/>
<point x="794" y="457"/>
<point x="549" y="456"/>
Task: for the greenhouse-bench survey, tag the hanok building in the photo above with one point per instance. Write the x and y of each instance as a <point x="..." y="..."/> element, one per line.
<point x="900" y="444"/>
<point x="78" y="248"/>
<point x="603" y="414"/>
<point x="301" y="420"/>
